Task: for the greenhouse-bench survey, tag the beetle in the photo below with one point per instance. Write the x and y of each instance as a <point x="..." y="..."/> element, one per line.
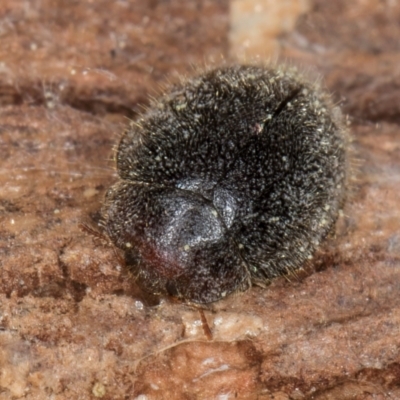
<point x="231" y="178"/>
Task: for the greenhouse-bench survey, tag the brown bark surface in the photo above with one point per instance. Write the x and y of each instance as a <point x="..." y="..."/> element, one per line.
<point x="73" y="324"/>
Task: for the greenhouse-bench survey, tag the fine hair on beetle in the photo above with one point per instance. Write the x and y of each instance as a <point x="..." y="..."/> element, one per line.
<point x="231" y="178"/>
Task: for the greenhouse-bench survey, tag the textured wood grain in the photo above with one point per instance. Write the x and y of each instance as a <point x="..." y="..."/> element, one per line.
<point x="73" y="323"/>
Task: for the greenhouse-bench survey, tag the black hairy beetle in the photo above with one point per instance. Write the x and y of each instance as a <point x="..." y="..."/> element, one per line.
<point x="232" y="178"/>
